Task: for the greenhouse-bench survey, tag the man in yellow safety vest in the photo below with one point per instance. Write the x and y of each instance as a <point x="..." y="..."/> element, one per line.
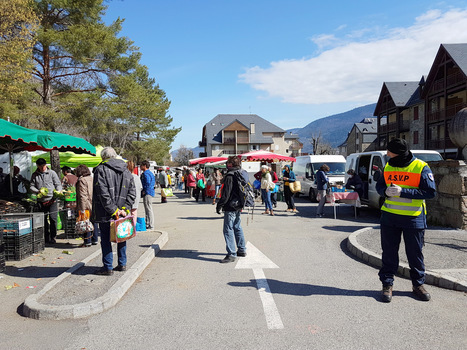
<point x="405" y="183"/>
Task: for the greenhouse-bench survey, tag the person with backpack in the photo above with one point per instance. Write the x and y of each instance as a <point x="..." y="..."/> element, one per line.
<point x="232" y="202"/>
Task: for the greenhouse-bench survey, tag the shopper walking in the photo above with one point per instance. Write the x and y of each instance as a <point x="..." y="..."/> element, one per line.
<point x="233" y="232"/>
<point x="200" y="185"/>
<point x="148" y="182"/>
<point x="266" y="186"/>
<point x="113" y="193"/>
<point x="138" y="187"/>
<point x="275" y="179"/>
<point x="217" y="180"/>
<point x="289" y="176"/>
<point x="321" y="185"/>
<point x="405" y="184"/>
<point x="164" y="183"/>
<point x="84" y="189"/>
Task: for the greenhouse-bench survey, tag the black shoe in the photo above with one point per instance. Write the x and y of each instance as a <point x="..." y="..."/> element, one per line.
<point x="94" y="243"/>
<point x="104" y="272"/>
<point x="120" y="268"/>
<point x="242" y="254"/>
<point x="386" y="297"/>
<point x="53" y="241"/>
<point x="421" y="293"/>
<point x="228" y="259"/>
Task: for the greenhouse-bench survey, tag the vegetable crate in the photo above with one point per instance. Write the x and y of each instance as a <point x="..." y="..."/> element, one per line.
<point x="17" y="238"/>
<point x="38" y="243"/>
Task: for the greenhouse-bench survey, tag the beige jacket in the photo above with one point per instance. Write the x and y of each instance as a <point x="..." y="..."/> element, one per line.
<point x="84" y="193"/>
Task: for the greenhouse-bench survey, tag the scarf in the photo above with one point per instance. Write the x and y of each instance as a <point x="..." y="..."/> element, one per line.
<point x="402" y="160"/>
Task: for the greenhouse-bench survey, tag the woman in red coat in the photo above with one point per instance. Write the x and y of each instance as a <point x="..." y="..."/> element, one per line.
<point x="191" y="182"/>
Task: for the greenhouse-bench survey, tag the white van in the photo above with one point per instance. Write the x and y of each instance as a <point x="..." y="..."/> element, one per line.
<point x="305" y="168"/>
<point x="368" y="165"/>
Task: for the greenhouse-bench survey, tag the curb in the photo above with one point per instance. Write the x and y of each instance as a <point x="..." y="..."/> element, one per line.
<point x="373" y="259"/>
<point x="32" y="308"/>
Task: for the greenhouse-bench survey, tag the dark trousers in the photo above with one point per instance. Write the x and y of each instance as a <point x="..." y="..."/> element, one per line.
<point x="50" y="221"/>
<point x="289" y="198"/>
<point x="92" y="237"/>
<point x="106" y="246"/>
<point x="274" y="198"/>
<point x="186" y="187"/>
<point x="390" y="241"/>
<point x="197" y="191"/>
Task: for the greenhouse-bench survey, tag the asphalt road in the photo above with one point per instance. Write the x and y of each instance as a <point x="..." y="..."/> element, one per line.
<point x="325" y="298"/>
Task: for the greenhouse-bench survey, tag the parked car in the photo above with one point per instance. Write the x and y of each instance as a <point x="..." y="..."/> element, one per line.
<point x="369" y="166"/>
<point x="305" y="168"/>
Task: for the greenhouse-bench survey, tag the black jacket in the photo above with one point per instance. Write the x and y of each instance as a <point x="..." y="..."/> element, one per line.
<point x="113" y="188"/>
<point x="231" y="191"/>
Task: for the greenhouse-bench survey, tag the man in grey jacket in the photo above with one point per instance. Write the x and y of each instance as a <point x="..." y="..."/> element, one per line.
<point x="114" y="193"/>
<point x="45" y="177"/>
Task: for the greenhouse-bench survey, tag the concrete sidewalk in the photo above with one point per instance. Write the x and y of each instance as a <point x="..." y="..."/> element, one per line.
<point x="445" y="254"/>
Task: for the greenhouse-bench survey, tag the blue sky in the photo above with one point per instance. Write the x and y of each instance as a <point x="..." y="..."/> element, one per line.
<point x="290" y="62"/>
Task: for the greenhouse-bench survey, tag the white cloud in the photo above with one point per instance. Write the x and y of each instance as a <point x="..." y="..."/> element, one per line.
<point x="355" y="70"/>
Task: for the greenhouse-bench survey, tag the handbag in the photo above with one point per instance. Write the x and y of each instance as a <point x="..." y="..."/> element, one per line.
<point x="83" y="224"/>
<point x="295" y="186"/>
<point x="201" y="184"/>
<point x="256" y="184"/>
<point x="275" y="189"/>
<point x="167" y="192"/>
<point x="122" y="229"/>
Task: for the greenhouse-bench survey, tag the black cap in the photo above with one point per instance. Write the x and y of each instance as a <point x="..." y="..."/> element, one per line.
<point x="398" y="146"/>
<point x="41" y="161"/>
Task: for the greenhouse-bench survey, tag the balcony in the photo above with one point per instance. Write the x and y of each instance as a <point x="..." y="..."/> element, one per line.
<point x="202" y="143"/>
<point x="229" y="141"/>
<point x="451" y="80"/>
<point x="243" y="139"/>
<point x="229" y="152"/>
<point x="447" y="113"/>
<point x="387" y="127"/>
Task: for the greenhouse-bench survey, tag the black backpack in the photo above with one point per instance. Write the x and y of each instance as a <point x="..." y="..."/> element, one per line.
<point x="247" y="194"/>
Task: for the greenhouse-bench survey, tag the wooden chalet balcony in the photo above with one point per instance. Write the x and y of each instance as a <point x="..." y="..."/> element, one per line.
<point x="447" y="113"/>
<point x="387" y="127"/>
<point x="440" y="144"/>
<point x="229" y="141"/>
<point x="243" y="139"/>
<point x="451" y="80"/>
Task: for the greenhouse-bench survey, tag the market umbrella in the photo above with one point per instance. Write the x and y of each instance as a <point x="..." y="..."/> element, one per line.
<point x="204" y="160"/>
<point x="72" y="159"/>
<point x="266" y="156"/>
<point x="15" y="138"/>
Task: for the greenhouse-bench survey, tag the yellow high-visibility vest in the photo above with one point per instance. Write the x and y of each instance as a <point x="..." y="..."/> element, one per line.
<point x="406" y="177"/>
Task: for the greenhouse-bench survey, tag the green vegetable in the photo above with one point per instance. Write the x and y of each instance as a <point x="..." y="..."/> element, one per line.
<point x="44" y="191"/>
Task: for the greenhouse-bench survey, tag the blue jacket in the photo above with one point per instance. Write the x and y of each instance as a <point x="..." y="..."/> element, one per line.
<point x="290" y="175"/>
<point x="321" y="180"/>
<point x="426" y="190"/>
<point x="148" y="181"/>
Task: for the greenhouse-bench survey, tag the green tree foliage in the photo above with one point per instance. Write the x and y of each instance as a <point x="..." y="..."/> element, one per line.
<point x="88" y="82"/>
<point x="17" y="25"/>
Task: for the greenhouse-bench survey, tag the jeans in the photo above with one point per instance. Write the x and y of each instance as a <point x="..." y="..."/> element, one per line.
<point x="218" y="187"/>
<point x="322" y="202"/>
<point x="233" y="233"/>
<point x="92" y="237"/>
<point x="106" y="246"/>
<point x="50" y="229"/>
<point x="267" y="199"/>
<point x="289" y="198"/>
<point x="147" y="202"/>
<point x="390" y="241"/>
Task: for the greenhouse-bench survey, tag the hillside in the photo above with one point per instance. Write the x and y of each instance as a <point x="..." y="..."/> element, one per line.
<point x="334" y="129"/>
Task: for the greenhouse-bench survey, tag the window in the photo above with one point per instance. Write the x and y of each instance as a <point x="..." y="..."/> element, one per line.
<point x="415" y="113"/>
<point x="252" y="128"/>
<point x="415" y="137"/>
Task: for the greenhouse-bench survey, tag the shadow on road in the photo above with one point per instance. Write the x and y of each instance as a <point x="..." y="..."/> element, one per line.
<point x="302" y="289"/>
<point x="189" y="254"/>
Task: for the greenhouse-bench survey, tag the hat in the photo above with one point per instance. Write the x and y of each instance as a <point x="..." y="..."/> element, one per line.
<point x="264" y="167"/>
<point x="41" y="161"/>
<point x="398" y="146"/>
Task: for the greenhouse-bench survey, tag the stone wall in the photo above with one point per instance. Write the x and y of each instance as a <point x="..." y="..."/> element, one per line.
<point x="449" y="207"/>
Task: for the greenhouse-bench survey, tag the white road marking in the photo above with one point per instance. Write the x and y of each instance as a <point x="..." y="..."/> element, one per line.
<point x="257" y="261"/>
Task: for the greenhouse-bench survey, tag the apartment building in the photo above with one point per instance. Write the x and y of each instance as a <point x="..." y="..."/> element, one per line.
<point x="232" y="134"/>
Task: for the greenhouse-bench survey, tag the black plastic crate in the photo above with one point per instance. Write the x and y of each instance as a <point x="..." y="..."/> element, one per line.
<point x="18" y="247"/>
<point x="15" y="226"/>
<point x="2" y="262"/>
<point x="38" y="246"/>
